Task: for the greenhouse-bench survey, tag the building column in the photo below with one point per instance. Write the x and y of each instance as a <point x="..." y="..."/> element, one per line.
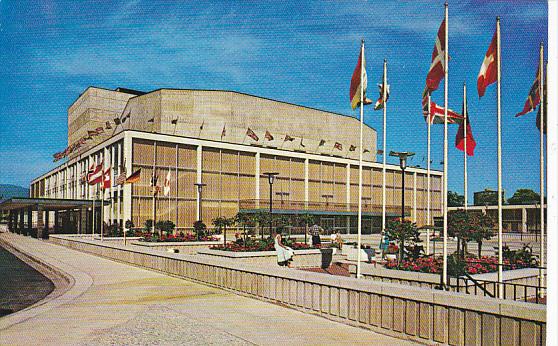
<point x="127" y="188"/>
<point x="306" y="183"/>
<point x="415" y="196"/>
<point x="47" y="220"/>
<point x="10" y="221"/>
<point x="56" y="227"/>
<point x="348" y="196"/>
<point x="199" y="152"/>
<point x="524" y="220"/>
<point x="29" y="219"/>
<point x="257" y="176"/>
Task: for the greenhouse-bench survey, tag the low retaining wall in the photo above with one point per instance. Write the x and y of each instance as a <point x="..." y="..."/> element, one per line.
<point x="526" y="276"/>
<point x="303" y="258"/>
<point x="407" y="312"/>
<point x="189" y="248"/>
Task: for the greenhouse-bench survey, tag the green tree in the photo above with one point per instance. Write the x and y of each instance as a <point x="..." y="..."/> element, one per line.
<point x="483" y="229"/>
<point x="469" y="226"/>
<point x="402" y="232"/>
<point x="455" y="199"/>
<point x="166" y="226"/>
<point x="261" y="219"/>
<point x="200" y="229"/>
<point x="524" y="196"/>
<point x="221" y="223"/>
<point x="243" y="219"/>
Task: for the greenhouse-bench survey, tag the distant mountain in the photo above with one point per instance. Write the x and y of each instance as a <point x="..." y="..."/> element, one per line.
<point x="9" y="191"/>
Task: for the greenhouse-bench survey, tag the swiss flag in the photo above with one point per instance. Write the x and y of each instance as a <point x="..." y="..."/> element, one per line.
<point x="489" y="71"/>
<point x="437" y="68"/>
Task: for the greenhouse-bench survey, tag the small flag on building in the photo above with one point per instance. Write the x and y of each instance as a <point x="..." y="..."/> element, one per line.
<point x="134" y="177"/>
<point x="352" y="148"/>
<point x="338" y="146"/>
<point x="201" y="126"/>
<point x="121" y="179"/>
<point x="166" y="187"/>
<point x="117" y="121"/>
<point x="322" y="142"/>
<point x="99" y="130"/>
<point x="107" y="125"/>
<point x="224" y="131"/>
<point x="152" y="120"/>
<point x="365" y="151"/>
<point x="302" y="144"/>
<point x="90" y="134"/>
<point x="488" y="73"/>
<point x="96" y="176"/>
<point x="107" y="178"/>
<point x="252" y="135"/>
<point x="268" y="136"/>
<point x="174" y="121"/>
<point x="289" y="138"/>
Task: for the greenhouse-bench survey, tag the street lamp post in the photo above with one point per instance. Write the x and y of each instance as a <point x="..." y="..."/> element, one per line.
<point x="200" y="187"/>
<point x="270" y="179"/>
<point x="403" y="164"/>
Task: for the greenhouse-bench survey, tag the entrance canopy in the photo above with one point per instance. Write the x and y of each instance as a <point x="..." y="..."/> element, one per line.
<point x="47" y="203"/>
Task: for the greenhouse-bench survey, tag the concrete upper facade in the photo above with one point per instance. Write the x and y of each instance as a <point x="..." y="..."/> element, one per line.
<point x="204" y="114"/>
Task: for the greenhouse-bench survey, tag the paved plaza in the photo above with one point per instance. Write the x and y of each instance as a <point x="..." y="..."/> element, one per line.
<point x="111" y="303"/>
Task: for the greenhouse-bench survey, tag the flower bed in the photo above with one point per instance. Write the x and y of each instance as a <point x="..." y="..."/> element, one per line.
<point x="171" y="238"/>
<point x="485" y="264"/>
<point x="260" y="245"/>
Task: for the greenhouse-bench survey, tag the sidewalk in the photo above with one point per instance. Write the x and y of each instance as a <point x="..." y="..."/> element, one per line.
<point x="116" y="304"/>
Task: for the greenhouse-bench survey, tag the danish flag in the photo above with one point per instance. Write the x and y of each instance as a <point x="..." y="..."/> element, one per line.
<point x="489" y="70"/>
<point x="437" y="68"/>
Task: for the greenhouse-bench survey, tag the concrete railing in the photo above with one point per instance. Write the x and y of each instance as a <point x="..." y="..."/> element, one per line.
<point x="406" y="312"/>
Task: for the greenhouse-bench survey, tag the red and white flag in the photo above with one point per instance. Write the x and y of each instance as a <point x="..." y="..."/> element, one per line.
<point x="488" y="73"/>
<point x="96" y="175"/>
<point x="437" y="68"/>
<point x="166" y="186"/>
<point x="354" y="91"/>
<point x="107" y="179"/>
<point x="437" y="112"/>
<point x="252" y="134"/>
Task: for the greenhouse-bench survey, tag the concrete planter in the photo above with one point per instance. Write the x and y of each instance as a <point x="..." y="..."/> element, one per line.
<point x="188" y="247"/>
<point x="302" y="258"/>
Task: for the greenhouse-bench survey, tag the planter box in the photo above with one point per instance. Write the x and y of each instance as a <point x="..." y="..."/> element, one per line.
<point x="188" y="247"/>
<point x="303" y="258"/>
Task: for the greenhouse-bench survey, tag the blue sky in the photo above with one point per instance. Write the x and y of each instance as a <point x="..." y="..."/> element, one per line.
<point x="299" y="53"/>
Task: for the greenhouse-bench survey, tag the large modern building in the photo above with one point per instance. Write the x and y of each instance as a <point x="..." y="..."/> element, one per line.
<point x="227" y="141"/>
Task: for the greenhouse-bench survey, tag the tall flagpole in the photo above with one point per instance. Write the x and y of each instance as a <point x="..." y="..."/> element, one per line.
<point x="428" y="218"/>
<point x="360" y="160"/>
<point x="384" y="97"/>
<point x="465" y="114"/>
<point x="499" y="116"/>
<point x="542" y="119"/>
<point x="445" y="188"/>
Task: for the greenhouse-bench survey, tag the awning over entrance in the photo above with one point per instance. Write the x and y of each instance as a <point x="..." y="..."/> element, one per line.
<point x="47" y="203"/>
